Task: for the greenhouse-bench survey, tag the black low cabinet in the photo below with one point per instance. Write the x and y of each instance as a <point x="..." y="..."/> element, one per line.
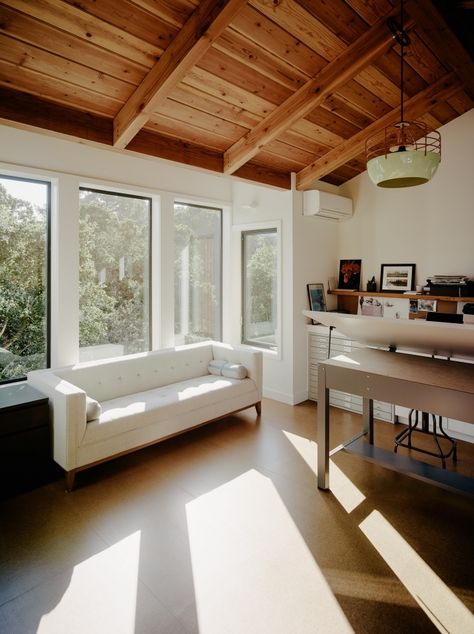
<point x="25" y="440"/>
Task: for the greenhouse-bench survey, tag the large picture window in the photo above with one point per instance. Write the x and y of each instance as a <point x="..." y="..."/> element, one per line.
<point x="259" y="287"/>
<point x="114" y="274"/>
<point x="198" y="273"/>
<point x="24" y="276"/>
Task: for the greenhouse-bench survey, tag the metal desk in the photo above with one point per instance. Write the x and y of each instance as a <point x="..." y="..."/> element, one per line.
<point x="443" y="387"/>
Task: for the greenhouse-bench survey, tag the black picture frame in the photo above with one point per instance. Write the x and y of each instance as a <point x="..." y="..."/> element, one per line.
<point x="349" y="275"/>
<point x="316" y="297"/>
<point x="397" y="278"/>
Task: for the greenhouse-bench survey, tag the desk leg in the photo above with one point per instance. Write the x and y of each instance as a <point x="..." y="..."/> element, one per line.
<point x="368" y="418"/>
<point x="323" y="431"/>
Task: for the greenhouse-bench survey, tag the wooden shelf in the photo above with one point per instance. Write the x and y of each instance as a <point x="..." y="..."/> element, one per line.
<point x="444" y="298"/>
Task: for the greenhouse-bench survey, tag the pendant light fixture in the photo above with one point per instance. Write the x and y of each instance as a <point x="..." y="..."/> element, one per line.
<point x="406" y="153"/>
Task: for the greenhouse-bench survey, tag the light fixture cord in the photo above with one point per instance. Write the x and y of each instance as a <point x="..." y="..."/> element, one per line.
<point x="401" y="61"/>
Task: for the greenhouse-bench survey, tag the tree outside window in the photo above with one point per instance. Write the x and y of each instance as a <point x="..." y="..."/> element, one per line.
<point x="24" y="275"/>
<point x="114" y="274"/>
<point x="259" y="287"/>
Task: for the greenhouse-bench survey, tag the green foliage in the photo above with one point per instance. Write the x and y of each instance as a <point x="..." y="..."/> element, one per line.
<point x="261" y="267"/>
<point x="23" y="286"/>
<point x="114" y="253"/>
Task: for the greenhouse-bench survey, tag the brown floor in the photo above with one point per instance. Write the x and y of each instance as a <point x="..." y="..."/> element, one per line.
<point x="223" y="531"/>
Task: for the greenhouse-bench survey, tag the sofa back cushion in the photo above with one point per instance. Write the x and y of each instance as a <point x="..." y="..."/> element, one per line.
<point x="107" y="379"/>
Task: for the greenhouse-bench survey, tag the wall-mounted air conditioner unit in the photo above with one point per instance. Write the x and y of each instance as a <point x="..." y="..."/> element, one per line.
<point x="316" y="203"/>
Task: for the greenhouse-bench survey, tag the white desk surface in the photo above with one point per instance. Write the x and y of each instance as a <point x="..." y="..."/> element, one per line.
<point x="424" y="371"/>
<point x="413" y="335"/>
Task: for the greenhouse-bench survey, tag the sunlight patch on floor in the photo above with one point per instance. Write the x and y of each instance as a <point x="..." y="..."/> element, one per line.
<point x="252" y="570"/>
<point x="434" y="597"/>
<point x="102" y="593"/>
<point x="346" y="492"/>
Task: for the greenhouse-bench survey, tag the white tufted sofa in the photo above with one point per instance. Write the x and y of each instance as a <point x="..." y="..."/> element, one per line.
<point x="141" y="399"/>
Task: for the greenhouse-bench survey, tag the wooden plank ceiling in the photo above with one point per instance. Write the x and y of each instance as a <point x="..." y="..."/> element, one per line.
<point x="258" y="89"/>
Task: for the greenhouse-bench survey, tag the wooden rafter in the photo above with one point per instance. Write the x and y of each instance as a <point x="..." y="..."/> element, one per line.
<point x="377" y="40"/>
<point x="434" y="29"/>
<point x="414" y="107"/>
<point x="204" y="26"/>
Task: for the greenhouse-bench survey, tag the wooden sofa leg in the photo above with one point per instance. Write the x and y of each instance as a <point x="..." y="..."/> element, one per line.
<point x="70" y="477"/>
<point x="258" y="407"/>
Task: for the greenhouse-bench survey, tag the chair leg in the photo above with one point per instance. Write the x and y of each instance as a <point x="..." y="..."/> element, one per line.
<point x="70" y="477"/>
<point x="258" y="407"/>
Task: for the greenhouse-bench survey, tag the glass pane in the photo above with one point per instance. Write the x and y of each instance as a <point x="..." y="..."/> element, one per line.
<point x="198" y="273"/>
<point x="259" y="283"/>
<point x="24" y="213"/>
<point x="114" y="274"/>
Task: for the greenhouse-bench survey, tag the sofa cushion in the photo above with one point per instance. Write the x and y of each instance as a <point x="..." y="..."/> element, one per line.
<point x="234" y="371"/>
<point x="215" y="366"/>
<point x="227" y="368"/>
<point x="93" y="409"/>
<point x="123" y="414"/>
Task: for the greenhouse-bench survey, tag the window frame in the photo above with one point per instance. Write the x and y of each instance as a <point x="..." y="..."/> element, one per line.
<point x="42" y="181"/>
<point x="261" y="228"/>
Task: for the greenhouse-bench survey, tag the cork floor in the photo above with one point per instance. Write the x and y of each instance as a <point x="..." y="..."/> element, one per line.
<point x="223" y="531"/>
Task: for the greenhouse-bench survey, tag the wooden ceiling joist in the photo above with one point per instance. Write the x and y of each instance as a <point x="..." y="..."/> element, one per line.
<point x="204" y="26"/>
<point x="259" y="89"/>
<point x="413" y="108"/>
<point x="377" y="40"/>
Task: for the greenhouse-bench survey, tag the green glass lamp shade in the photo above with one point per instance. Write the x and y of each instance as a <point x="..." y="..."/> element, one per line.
<point x="403" y="168"/>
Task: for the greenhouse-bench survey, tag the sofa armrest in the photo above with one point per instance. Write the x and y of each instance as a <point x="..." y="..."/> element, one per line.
<point x="252" y="359"/>
<point x="67" y="405"/>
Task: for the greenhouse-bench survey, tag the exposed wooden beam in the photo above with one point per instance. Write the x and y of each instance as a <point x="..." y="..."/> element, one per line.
<point x="375" y="41"/>
<point x="434" y="30"/>
<point x="33" y="111"/>
<point x="204" y="26"/>
<point x="413" y="108"/>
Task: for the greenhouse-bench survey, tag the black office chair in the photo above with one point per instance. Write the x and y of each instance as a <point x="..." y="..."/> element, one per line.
<point x="437" y="422"/>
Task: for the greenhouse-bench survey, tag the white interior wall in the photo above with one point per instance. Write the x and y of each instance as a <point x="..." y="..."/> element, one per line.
<point x="315" y="258"/>
<point x="431" y="225"/>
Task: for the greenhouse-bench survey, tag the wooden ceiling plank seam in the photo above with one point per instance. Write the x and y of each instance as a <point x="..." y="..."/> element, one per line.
<point x="129" y="19"/>
<point x="219" y="88"/>
<point x="344" y="109"/>
<point x="199" y="119"/>
<point x="434" y="30"/>
<point x="242" y="76"/>
<point x="260" y="30"/>
<point x="193" y="40"/>
<point x="72" y="20"/>
<point x="414" y="107"/>
<point x="45" y="63"/>
<point x="212" y="105"/>
<point x="171" y="11"/>
<point x="174" y="130"/>
<point x="54" y="89"/>
<point x="370" y="10"/>
<point x="47" y="38"/>
<point x="349" y="63"/>
<point x="256" y="57"/>
<point x="295" y="19"/>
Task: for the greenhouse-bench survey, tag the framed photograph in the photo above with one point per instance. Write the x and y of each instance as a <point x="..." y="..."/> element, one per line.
<point x="317" y="300"/>
<point x="397" y="278"/>
<point x="349" y="275"/>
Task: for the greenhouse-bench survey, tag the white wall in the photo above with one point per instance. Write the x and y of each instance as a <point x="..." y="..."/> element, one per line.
<point x="431" y="225"/>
